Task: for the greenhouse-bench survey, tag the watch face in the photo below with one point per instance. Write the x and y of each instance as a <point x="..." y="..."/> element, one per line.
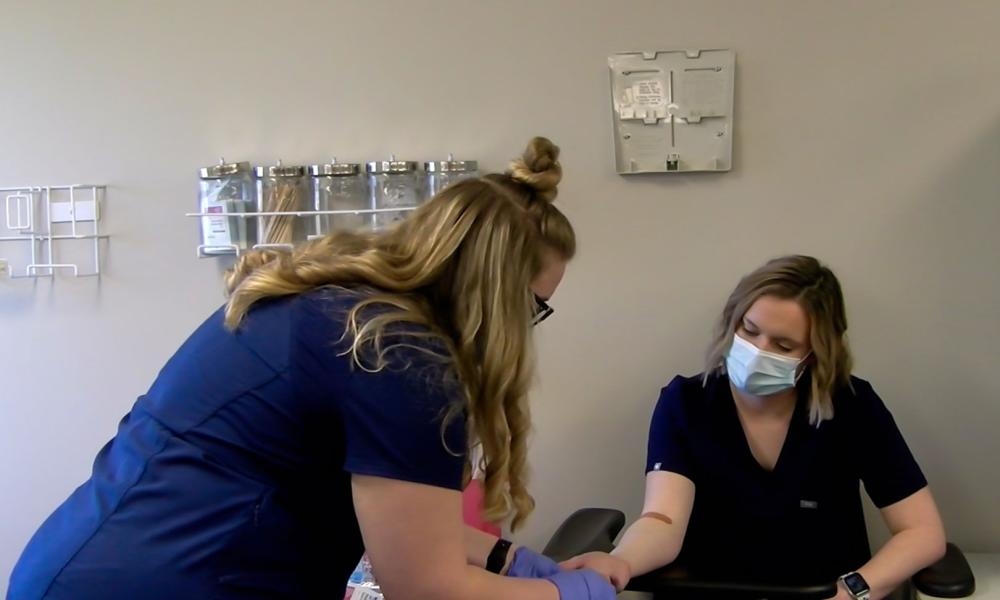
<point x="855" y="583"/>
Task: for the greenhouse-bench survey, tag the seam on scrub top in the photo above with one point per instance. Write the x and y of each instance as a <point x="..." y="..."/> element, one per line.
<point x="173" y="433"/>
<point x="214" y="413"/>
<point x="90" y="538"/>
<point x="288" y="354"/>
<point x="145" y="467"/>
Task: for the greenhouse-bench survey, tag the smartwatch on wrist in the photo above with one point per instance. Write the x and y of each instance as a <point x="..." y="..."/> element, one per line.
<point x="498" y="556"/>
<point x="856" y="586"/>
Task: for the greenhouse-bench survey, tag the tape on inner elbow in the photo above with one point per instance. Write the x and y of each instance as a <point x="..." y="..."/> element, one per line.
<point x="658" y="516"/>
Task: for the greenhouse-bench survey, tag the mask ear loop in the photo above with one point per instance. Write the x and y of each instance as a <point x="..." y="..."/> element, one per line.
<point x="802" y="362"/>
<point x="722" y="361"/>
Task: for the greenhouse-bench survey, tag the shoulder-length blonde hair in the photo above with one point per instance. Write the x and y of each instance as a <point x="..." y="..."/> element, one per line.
<point x="816" y="289"/>
<point x="460" y="268"/>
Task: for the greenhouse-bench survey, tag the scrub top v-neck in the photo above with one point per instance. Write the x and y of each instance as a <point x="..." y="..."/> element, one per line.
<point x="787" y="445"/>
<point x="802" y="521"/>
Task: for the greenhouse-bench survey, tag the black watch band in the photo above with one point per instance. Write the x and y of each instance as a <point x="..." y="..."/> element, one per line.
<point x="498" y="556"/>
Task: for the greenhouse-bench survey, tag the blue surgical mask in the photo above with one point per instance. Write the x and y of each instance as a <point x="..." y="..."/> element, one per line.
<point x="758" y="372"/>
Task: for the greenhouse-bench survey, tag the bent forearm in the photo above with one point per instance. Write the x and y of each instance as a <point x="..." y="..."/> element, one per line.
<point x="649" y="544"/>
<point x="903" y="555"/>
<point x="479" y="544"/>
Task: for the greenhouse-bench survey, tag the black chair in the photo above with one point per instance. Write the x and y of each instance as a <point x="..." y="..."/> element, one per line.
<point x="595" y="529"/>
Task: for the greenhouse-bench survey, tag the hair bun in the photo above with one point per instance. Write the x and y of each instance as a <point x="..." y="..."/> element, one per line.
<point x="539" y="168"/>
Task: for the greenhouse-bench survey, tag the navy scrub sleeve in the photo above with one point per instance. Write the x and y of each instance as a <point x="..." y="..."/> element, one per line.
<point x="887" y="467"/>
<point x="230" y="478"/>
<point x="668" y="448"/>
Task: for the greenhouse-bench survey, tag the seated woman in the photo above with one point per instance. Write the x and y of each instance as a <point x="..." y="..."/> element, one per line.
<point x="754" y="466"/>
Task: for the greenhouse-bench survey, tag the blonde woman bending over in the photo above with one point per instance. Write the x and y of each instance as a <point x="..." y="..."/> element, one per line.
<point x="329" y="409"/>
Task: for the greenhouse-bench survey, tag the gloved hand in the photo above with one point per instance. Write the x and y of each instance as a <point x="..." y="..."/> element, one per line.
<point x="582" y="585"/>
<point x="529" y="564"/>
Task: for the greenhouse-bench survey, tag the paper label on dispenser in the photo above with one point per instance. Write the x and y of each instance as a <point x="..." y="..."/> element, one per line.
<point x="648" y="92"/>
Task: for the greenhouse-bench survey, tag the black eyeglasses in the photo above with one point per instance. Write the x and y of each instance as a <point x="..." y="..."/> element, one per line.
<point x="542" y="311"/>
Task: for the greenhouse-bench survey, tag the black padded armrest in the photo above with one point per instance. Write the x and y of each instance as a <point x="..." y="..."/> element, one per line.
<point x="676" y="582"/>
<point x="950" y="577"/>
<point x="586" y="530"/>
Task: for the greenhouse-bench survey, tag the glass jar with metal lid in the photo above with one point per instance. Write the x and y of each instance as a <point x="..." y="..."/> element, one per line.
<point x="225" y="188"/>
<point x="393" y="184"/>
<point x="281" y="189"/>
<point x="340" y="186"/>
<point x="442" y="173"/>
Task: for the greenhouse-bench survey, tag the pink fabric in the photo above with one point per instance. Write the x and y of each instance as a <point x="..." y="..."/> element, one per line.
<point x="472" y="508"/>
<point x="472" y="514"/>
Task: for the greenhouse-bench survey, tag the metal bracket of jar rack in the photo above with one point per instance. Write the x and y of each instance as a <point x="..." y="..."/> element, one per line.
<point x="202" y="251"/>
<point x="75" y="205"/>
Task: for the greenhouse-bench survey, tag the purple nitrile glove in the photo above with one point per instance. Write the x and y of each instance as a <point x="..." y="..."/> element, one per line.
<point x="529" y="564"/>
<point x="582" y="585"/>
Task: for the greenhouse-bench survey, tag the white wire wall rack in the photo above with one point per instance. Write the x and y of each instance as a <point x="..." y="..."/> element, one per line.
<point x="208" y="250"/>
<point x="44" y="218"/>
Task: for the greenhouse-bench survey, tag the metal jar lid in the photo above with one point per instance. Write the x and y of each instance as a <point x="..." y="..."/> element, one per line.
<point x="391" y="166"/>
<point x="279" y="170"/>
<point x="451" y="165"/>
<point x="223" y="169"/>
<point x="334" y="169"/>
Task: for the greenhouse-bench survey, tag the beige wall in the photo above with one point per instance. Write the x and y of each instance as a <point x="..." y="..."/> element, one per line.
<point x="867" y="133"/>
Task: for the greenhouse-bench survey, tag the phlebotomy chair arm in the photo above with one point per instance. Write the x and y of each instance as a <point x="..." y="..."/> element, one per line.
<point x="595" y="529"/>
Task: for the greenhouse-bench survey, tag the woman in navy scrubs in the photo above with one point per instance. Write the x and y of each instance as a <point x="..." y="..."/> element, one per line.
<point x="754" y="466"/>
<point x="328" y="409"/>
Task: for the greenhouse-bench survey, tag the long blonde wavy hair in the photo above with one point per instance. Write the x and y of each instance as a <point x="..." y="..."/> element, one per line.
<point x="460" y="269"/>
<point x="816" y="289"/>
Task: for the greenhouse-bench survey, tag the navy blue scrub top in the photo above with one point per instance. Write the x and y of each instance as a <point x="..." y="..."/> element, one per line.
<point x="801" y="522"/>
<point x="231" y="477"/>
